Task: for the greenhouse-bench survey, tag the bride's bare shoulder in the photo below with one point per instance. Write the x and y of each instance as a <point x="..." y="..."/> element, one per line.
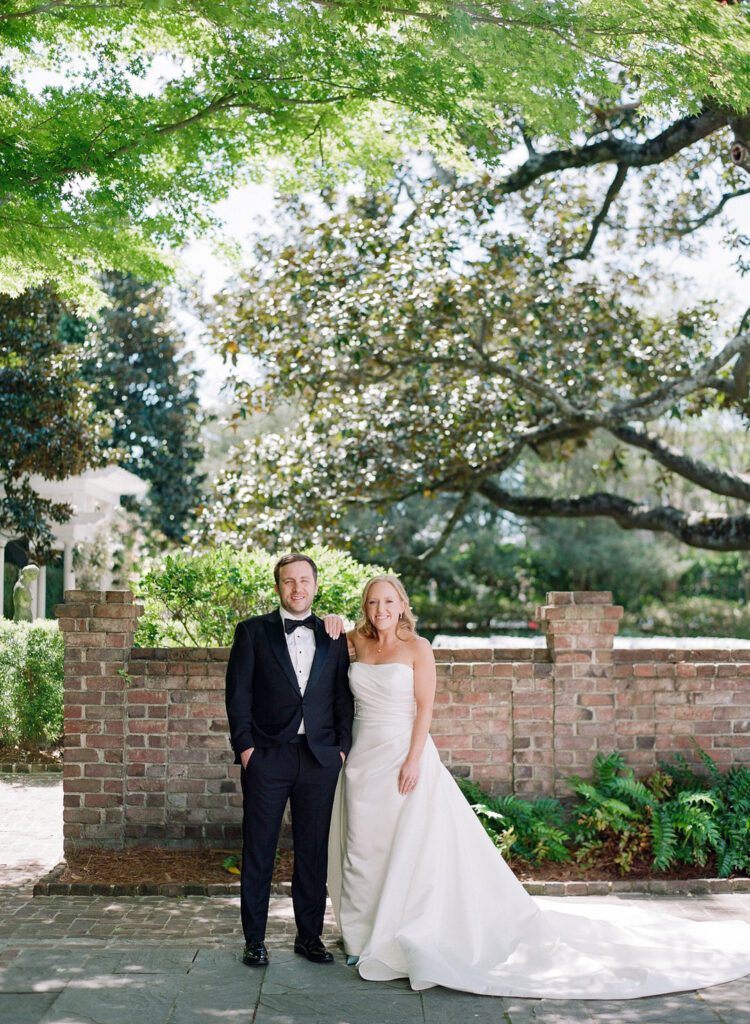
<point x="420" y="649"/>
<point x="424" y="647"/>
<point x="351" y="643"/>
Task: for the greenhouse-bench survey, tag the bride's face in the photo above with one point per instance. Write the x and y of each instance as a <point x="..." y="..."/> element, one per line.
<point x="383" y="606"/>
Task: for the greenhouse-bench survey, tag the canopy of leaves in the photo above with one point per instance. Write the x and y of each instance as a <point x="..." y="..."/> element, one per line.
<point x="123" y="124"/>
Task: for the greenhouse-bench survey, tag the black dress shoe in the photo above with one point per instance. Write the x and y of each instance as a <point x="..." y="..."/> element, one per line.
<point x="313" y="949"/>
<point x="255" y="954"/>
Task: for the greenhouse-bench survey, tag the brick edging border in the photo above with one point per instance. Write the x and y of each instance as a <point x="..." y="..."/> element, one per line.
<point x="29" y="767"/>
<point x="49" y="886"/>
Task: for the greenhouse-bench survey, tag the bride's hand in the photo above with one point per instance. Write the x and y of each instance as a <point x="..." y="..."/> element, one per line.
<point x="408" y="777"/>
<point x="334" y="625"/>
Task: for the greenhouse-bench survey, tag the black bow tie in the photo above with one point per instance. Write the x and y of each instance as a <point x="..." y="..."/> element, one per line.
<point x="291" y="624"/>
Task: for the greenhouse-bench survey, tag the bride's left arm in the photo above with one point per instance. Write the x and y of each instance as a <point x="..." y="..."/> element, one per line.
<point x="424" y="695"/>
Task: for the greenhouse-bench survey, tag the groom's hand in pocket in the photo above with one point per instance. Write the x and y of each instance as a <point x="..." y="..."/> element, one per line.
<point x="245" y="756"/>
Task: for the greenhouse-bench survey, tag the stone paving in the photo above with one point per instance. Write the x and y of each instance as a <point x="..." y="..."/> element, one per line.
<point x="30" y="826"/>
<point x="155" y="960"/>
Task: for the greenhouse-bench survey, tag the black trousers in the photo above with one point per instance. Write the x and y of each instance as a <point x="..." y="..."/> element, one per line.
<point x="273" y="776"/>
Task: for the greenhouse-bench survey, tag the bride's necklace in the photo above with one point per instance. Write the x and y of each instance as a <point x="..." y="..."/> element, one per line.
<point x="382" y="644"/>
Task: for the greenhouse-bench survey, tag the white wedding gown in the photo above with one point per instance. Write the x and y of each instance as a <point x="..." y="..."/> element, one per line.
<point x="421" y="892"/>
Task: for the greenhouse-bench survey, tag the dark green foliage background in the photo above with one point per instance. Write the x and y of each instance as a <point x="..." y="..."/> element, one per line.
<point x="149" y="396"/>
<point x="77" y="393"/>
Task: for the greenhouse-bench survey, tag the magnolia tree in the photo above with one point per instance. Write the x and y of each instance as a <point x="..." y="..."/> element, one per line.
<point x="50" y="424"/>
<point x="434" y="351"/>
<point x="430" y="336"/>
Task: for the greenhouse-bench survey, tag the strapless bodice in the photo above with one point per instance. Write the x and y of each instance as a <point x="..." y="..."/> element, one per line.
<point x="382" y="693"/>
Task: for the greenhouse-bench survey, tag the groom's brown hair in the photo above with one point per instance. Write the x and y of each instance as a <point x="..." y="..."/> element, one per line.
<point x="288" y="559"/>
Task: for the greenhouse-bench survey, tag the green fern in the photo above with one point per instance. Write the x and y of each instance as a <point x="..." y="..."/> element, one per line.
<point x="606" y="767"/>
<point x="676" y="816"/>
<point x="629" y="788"/>
<point x="663" y="839"/>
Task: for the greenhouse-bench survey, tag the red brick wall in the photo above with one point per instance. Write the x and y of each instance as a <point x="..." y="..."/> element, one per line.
<point x="182" y="785"/>
<point x="147" y="757"/>
<point x="493" y="717"/>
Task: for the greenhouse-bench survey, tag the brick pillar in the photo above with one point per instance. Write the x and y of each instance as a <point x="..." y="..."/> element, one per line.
<point x="580" y="628"/>
<point x="98" y="627"/>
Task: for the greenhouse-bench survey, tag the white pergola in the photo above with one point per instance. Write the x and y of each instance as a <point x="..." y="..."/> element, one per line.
<point x="94" y="496"/>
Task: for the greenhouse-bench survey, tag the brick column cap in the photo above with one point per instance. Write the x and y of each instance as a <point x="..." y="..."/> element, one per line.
<point x="98" y="597"/>
<point x="555" y="598"/>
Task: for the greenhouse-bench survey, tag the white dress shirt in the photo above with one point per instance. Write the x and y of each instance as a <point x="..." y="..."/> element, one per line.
<point x="301" y="647"/>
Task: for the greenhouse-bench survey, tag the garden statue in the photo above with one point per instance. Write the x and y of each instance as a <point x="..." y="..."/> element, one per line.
<point x="22" y="594"/>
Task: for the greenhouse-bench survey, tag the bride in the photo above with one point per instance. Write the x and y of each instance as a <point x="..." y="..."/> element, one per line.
<point x="419" y="889"/>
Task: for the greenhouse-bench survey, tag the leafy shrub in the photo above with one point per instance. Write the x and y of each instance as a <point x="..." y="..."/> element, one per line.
<point x="529" y="830"/>
<point x="729" y="796"/>
<point x="197" y="600"/>
<point x="674" y="817"/>
<point x="691" y="616"/>
<point x="721" y="574"/>
<point x="31" y="684"/>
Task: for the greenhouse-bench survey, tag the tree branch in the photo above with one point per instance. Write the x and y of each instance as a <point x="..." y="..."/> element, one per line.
<point x="57" y="5"/>
<point x="661" y="399"/>
<point x="715" y="532"/>
<point x="740" y="151"/>
<point x="228" y="101"/>
<point x="537" y="387"/>
<point x="612" y="192"/>
<point x="741" y="374"/>
<point x="458" y="513"/>
<point x="733" y="485"/>
<point x="678" y="136"/>
<point x="220" y="103"/>
<point x="713" y="212"/>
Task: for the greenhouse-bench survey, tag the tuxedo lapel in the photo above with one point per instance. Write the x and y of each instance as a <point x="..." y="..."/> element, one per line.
<point x="322" y="644"/>
<point x="277" y="638"/>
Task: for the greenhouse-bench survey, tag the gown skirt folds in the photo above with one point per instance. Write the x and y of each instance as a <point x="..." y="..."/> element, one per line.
<point x="420" y="891"/>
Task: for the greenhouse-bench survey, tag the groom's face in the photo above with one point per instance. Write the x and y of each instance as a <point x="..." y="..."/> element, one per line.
<point x="297" y="587"/>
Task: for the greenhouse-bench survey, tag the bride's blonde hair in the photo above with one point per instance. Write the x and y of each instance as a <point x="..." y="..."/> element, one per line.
<point x="407" y="621"/>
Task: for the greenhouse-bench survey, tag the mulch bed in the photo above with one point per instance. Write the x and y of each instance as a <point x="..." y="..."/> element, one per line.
<point x="550" y="871"/>
<point x="140" y="865"/>
<point x="157" y="866"/>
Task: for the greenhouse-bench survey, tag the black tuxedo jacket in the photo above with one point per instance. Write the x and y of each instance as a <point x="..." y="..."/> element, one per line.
<point x="264" y="702"/>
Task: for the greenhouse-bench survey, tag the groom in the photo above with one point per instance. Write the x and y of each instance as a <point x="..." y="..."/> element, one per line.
<point x="290" y="721"/>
